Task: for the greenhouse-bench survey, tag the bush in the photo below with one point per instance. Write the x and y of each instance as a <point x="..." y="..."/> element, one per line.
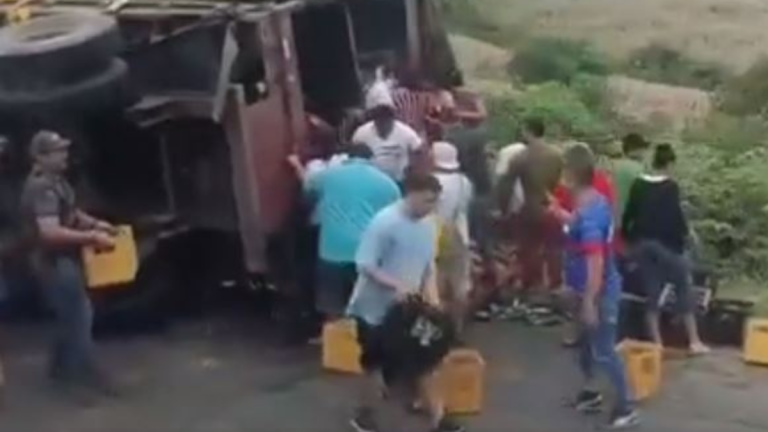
<point x="728" y="134"/>
<point x="546" y="59"/>
<point x="722" y="169"/>
<point x="728" y="199"/>
<point x="746" y="94"/>
<point x="564" y="112"/>
<point x="665" y="65"/>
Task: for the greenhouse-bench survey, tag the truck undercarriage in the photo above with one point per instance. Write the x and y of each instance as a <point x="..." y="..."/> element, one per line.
<point x="183" y="125"/>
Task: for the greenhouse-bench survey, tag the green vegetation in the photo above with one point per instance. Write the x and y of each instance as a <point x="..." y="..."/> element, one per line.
<point x="566" y="114"/>
<point x="746" y="94"/>
<point x="721" y="165"/>
<point x="722" y="160"/>
<point x="658" y="63"/>
<point x="547" y="59"/>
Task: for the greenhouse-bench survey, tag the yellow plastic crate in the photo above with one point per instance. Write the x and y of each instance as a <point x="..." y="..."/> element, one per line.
<point x="341" y="351"/>
<point x="644" y="367"/>
<point x="462" y="377"/>
<point x="756" y="342"/>
<point x="115" y="266"/>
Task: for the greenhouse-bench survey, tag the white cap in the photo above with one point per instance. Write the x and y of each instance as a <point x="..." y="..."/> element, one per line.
<point x="445" y="156"/>
<point x="379" y="95"/>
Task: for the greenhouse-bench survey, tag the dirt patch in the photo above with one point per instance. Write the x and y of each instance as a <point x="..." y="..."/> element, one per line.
<point x="484" y="65"/>
<point x="730" y="32"/>
<point x="674" y="107"/>
<point x="481" y="60"/>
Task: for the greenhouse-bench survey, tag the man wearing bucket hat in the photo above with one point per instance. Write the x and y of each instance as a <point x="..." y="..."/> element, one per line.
<point x="453" y="254"/>
<point x="63" y="230"/>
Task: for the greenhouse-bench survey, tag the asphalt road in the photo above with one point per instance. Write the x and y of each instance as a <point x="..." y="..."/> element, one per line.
<point x="223" y="375"/>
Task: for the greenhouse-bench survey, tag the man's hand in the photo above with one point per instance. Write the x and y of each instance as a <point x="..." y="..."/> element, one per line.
<point x="589" y="316"/>
<point x="106" y="227"/>
<point x="402" y="293"/>
<point x="101" y="240"/>
<point x="295" y="161"/>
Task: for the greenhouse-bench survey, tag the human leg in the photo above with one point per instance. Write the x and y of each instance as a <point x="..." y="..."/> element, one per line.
<point x="333" y="289"/>
<point x="371" y="383"/>
<point x="646" y="255"/>
<point x="72" y="356"/>
<point x="429" y="392"/>
<point x="553" y="252"/>
<point x="678" y="271"/>
<point x="603" y="340"/>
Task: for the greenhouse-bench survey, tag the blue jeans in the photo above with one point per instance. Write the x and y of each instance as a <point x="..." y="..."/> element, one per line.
<point x="72" y="354"/>
<point x="598" y="349"/>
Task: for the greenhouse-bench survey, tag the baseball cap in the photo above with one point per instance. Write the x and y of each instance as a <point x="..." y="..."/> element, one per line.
<point x="46" y="142"/>
<point x="445" y="156"/>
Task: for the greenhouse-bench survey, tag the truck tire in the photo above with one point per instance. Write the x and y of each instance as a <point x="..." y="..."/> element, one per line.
<point x="56" y="50"/>
<point x="109" y="89"/>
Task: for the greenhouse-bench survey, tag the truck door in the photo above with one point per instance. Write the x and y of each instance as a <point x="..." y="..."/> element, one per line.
<point x="261" y="135"/>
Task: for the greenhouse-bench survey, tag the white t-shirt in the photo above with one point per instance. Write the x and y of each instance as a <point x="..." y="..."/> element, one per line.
<point x="504" y="158"/>
<point x="315" y="167"/>
<point x="455" y="200"/>
<point x="392" y="153"/>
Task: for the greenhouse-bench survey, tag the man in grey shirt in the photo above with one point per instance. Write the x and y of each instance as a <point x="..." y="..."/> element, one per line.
<point x="62" y="230"/>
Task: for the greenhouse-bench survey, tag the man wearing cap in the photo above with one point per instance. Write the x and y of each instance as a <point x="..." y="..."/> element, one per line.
<point x="394" y="144"/>
<point x="63" y="230"/>
<point x="453" y="254"/>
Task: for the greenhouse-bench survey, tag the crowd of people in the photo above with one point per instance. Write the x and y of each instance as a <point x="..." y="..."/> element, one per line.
<point x="411" y="206"/>
<point x="419" y="211"/>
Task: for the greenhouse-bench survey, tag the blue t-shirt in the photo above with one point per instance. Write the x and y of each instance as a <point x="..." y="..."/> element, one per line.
<point x="591" y="232"/>
<point x="348" y="197"/>
<point x="399" y="246"/>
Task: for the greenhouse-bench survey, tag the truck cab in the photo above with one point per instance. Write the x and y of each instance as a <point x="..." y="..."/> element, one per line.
<point x="184" y="131"/>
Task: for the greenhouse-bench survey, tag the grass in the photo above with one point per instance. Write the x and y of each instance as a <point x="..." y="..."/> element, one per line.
<point x="729" y="32"/>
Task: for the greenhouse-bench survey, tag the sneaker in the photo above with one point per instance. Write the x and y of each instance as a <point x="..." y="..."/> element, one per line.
<point x="483" y="315"/>
<point x="588" y="402"/>
<point x="364" y="421"/>
<point x="698" y="349"/>
<point x="623" y="420"/>
<point x="448" y="425"/>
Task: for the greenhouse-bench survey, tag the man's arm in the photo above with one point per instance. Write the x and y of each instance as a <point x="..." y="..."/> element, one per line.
<point x="53" y="233"/>
<point x="680" y="221"/>
<point x="46" y="209"/>
<point x="593" y="243"/>
<point x="630" y="212"/>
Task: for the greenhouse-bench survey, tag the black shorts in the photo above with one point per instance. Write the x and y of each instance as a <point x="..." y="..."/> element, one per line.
<point x="335" y="282"/>
<point x="372" y="354"/>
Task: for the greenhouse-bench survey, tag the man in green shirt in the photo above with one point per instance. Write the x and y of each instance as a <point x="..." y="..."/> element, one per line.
<point x="628" y="168"/>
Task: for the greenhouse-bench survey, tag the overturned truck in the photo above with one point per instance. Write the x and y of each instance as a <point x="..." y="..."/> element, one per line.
<point x="183" y="112"/>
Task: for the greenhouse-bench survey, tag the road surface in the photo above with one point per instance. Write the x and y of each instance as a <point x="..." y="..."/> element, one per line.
<point x="223" y="375"/>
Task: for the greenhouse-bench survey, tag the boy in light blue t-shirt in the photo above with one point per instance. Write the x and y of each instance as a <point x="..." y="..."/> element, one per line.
<point x="395" y="260"/>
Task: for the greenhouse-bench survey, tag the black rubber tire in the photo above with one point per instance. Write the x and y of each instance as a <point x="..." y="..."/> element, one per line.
<point x="54" y="50"/>
<point x="107" y="90"/>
